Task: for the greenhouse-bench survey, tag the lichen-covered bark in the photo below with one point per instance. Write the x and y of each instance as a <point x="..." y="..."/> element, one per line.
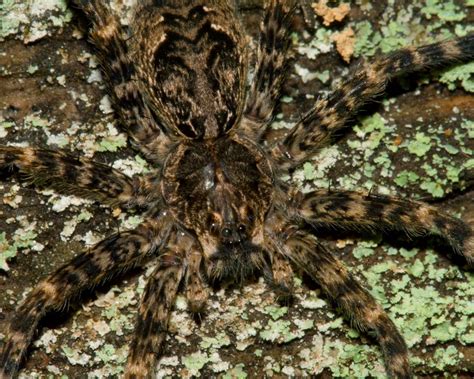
<point x="417" y="142"/>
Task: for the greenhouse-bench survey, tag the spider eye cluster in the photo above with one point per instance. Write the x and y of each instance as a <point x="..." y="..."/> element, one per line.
<point x="232" y="234"/>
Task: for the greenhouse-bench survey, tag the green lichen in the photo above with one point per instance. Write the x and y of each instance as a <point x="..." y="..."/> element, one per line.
<point x="12" y="15"/>
<point x="417" y="268"/>
<point x="4" y="126"/>
<point x="195" y="362"/>
<point x="113" y="143"/>
<point x="444" y="10"/>
<point x="276" y="311"/>
<point x="433" y="187"/>
<point x="75" y="356"/>
<point x="32" y="69"/>
<point x="321" y="43"/>
<point x="236" y="372"/>
<point x="278" y="331"/>
<point x="22" y="239"/>
<point x="216" y="341"/>
<point x="374" y="130"/>
<point x="444" y="357"/>
<point x="469" y="126"/>
<point x="7" y="251"/>
<point x="353" y="360"/>
<point x="420" y="145"/>
<point x="464" y="74"/>
<point x="32" y="20"/>
<point x="35" y="121"/>
<point x="364" y="249"/>
<point x="444" y="332"/>
<point x="323" y="76"/>
<point x="367" y="41"/>
<point x="406" y="177"/>
<point x="107" y="353"/>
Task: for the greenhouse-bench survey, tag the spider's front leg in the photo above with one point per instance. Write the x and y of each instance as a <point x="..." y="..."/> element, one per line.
<point x="347" y="294"/>
<point x="112" y="256"/>
<point x="153" y="316"/>
<point x="280" y="275"/>
<point x="378" y="212"/>
<point x="271" y="68"/>
<point x="71" y="175"/>
<point x="328" y="116"/>
<point x="179" y="261"/>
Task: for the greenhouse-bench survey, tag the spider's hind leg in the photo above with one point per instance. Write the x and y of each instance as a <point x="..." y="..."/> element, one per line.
<point x="272" y="66"/>
<point x="110" y="41"/>
<point x="329" y="115"/>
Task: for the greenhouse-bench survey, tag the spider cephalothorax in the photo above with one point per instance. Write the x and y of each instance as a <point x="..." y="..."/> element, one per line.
<point x="221" y="190"/>
<point x="215" y="209"/>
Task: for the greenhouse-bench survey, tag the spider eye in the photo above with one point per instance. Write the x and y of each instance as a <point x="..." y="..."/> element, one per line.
<point x="226" y="232"/>
<point x="250" y="216"/>
<point x="241" y="228"/>
<point x="213" y="227"/>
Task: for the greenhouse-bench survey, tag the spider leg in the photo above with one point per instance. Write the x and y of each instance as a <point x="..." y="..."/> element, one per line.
<point x="79" y="176"/>
<point x="354" y="301"/>
<point x="379" y="212"/>
<point x="179" y="261"/>
<point x="329" y="115"/>
<point x="197" y="291"/>
<point x="281" y="276"/>
<point x="153" y="316"/>
<point x="109" y="257"/>
<point x="271" y="68"/>
<point x="109" y="39"/>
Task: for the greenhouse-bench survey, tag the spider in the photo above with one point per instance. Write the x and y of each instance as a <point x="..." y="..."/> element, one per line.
<point x="215" y="208"/>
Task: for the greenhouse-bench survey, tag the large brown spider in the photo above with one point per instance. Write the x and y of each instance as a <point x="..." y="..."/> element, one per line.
<point x="216" y="210"/>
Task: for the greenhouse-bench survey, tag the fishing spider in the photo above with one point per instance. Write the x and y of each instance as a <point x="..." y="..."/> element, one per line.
<point x="216" y="209"/>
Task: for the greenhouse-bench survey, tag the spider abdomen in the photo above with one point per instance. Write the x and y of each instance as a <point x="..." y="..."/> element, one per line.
<point x="191" y="64"/>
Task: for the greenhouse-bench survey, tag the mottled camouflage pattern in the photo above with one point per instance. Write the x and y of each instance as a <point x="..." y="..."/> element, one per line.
<point x="215" y="211"/>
